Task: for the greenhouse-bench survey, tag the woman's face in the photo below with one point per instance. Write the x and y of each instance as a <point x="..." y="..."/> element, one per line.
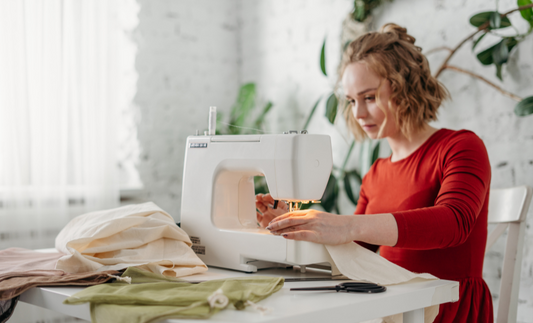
<point x="360" y="85"/>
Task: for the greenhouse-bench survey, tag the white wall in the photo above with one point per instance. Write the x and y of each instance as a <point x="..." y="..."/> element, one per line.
<point x="193" y="54"/>
<point x="187" y="61"/>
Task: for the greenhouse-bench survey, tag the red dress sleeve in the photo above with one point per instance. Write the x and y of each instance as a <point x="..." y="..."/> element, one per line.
<point x="464" y="185"/>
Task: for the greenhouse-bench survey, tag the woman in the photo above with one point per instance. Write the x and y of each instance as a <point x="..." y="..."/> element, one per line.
<point x="426" y="205"/>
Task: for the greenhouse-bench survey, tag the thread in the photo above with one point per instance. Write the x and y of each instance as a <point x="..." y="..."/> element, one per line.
<point x="248" y="128"/>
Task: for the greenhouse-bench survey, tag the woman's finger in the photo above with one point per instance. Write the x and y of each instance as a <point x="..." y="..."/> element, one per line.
<point x="299" y="235"/>
<point x="286" y="223"/>
<point x="268" y="198"/>
<point x="261" y="207"/>
<point x="290" y="214"/>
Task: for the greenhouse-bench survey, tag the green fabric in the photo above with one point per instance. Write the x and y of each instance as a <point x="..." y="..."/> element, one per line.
<point x="153" y="301"/>
<point x="142" y="276"/>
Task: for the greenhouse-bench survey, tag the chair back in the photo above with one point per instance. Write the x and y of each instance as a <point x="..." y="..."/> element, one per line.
<point x="508" y="208"/>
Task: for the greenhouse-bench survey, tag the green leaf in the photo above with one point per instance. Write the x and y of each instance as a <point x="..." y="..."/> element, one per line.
<point x="329" y="198"/>
<point x="479" y="19"/>
<point x="243" y="106"/>
<point x="495" y="20"/>
<point x="375" y="153"/>
<point x="359" y="11"/>
<point x="260" y="185"/>
<point x="478" y="40"/>
<point x="311" y="114"/>
<point x="258" y="124"/>
<point x="500" y="54"/>
<point x="348" y="188"/>
<point x="348" y="185"/>
<point x="486" y="56"/>
<point x="220" y="125"/>
<point x="323" y="58"/>
<point x="524" y="107"/>
<point x="527" y="14"/>
<point x="331" y="108"/>
<point x="499" y="71"/>
<point x="348" y="155"/>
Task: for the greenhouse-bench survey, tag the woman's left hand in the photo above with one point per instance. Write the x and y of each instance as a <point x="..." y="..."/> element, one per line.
<point x="315" y="226"/>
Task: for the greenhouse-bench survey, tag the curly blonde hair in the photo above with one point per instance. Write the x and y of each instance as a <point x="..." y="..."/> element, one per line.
<point x="392" y="54"/>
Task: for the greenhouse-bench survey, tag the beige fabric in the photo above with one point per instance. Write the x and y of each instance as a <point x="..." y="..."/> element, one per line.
<point x="25" y="260"/>
<point x="361" y="264"/>
<point x="141" y="235"/>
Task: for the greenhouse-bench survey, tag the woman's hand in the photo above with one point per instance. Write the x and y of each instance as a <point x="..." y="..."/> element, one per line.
<point x="264" y="203"/>
<point x="315" y="226"/>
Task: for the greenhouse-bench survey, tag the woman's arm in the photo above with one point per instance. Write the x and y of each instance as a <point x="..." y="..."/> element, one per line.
<point x="334" y="229"/>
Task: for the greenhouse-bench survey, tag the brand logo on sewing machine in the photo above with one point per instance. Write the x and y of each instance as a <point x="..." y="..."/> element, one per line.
<point x="198" y="145"/>
<point x="199" y="250"/>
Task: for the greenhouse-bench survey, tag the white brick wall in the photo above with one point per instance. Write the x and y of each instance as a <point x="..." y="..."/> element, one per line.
<point x="193" y="54"/>
<point x="188" y="59"/>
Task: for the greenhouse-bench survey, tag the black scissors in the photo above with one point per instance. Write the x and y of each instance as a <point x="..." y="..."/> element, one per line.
<point x="354" y="287"/>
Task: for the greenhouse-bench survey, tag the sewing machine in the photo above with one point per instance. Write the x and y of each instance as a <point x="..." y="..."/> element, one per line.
<point x="218" y="197"/>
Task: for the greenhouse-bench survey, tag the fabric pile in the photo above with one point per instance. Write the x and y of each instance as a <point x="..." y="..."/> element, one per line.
<point x="141" y="235"/>
<point x="94" y="247"/>
<point x="153" y="297"/>
<point x="22" y="269"/>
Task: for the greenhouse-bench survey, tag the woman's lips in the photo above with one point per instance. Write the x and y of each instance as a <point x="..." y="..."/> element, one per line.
<point x="368" y="126"/>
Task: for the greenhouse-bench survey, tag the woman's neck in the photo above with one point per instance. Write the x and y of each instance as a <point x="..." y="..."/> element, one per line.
<point x="402" y="147"/>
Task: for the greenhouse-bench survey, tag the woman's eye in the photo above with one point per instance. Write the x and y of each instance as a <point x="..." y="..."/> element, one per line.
<point x="370" y="98"/>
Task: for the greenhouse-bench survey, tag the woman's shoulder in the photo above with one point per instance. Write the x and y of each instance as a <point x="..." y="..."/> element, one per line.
<point x="458" y="139"/>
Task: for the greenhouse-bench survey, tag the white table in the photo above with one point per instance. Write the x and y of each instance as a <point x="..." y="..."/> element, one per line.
<point x="301" y="306"/>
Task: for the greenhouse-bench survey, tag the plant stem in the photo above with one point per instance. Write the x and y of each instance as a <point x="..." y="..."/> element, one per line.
<point x="347" y="158"/>
<point x="502" y="91"/>
<point x="480" y="28"/>
<point x="311" y="114"/>
<point x="431" y="51"/>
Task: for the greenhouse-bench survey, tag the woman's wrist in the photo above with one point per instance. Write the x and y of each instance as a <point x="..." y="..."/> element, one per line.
<point x="377" y="229"/>
<point x="354" y="228"/>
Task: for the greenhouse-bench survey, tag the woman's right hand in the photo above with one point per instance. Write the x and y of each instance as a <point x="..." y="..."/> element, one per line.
<point x="265" y="203"/>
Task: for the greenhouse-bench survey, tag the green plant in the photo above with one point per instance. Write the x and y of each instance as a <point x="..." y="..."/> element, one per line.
<point x="363" y="8"/>
<point x="487" y="23"/>
<point x="243" y="119"/>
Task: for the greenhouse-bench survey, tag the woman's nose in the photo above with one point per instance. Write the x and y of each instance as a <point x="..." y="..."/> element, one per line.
<point x="359" y="112"/>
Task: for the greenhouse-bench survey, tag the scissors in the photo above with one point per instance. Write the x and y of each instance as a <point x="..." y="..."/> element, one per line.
<point x="354" y="287"/>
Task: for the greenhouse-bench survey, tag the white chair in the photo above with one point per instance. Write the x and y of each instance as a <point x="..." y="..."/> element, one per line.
<point x="508" y="208"/>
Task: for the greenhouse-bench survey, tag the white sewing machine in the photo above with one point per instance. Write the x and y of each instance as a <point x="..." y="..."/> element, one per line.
<point x="218" y="197"/>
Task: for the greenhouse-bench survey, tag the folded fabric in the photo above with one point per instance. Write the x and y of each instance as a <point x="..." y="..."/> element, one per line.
<point x="24" y="260"/>
<point x="17" y="283"/>
<point x="361" y="264"/>
<point x="134" y="235"/>
<point x="150" y="302"/>
<point x="22" y="269"/>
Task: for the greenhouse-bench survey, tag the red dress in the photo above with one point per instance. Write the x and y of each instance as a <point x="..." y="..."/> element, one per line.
<point x="439" y="197"/>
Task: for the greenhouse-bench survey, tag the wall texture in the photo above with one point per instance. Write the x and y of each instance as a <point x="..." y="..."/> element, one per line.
<point x="193" y="54"/>
<point x="188" y="59"/>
